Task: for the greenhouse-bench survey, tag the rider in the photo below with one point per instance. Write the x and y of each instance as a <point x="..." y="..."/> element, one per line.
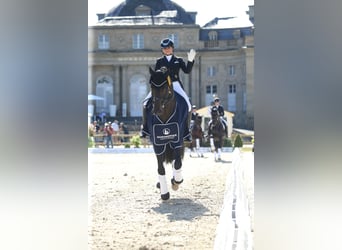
<point x="173" y="64"/>
<point x="221" y="113"/>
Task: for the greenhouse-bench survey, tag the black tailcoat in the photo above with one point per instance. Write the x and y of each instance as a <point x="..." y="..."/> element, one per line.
<point x="174" y="66"/>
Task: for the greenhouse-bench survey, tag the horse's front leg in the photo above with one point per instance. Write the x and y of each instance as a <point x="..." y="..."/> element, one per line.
<point x="199" y="154"/>
<point x="177" y="169"/>
<point x="164" y="192"/>
<point x="218" y="150"/>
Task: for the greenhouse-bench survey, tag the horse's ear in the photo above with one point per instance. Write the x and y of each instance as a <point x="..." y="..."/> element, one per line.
<point x="151" y="71"/>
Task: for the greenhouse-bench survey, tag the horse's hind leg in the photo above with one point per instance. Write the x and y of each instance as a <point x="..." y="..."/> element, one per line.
<point x="191" y="147"/>
<point x="219" y="150"/>
<point x="215" y="154"/>
<point x="177" y="170"/>
<point x="164" y="193"/>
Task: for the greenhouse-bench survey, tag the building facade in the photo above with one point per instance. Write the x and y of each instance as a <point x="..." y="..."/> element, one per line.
<point x="126" y="42"/>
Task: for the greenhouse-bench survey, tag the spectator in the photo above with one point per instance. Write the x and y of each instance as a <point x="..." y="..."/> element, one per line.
<point x="108" y="134"/>
<point x="115" y="126"/>
<point x="123" y="130"/>
<point x="91" y="131"/>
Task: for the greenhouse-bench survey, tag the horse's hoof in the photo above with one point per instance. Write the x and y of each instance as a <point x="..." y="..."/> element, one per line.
<point x="165" y="197"/>
<point x="175" y="184"/>
<point x="175" y="187"/>
<point x="158" y="185"/>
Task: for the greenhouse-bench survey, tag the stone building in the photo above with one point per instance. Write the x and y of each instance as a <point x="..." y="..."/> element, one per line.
<point x="125" y="42"/>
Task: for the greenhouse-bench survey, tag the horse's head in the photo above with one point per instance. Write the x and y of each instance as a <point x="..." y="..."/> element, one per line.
<point x="198" y="120"/>
<point x="216" y="127"/>
<point x="162" y="91"/>
<point x="214" y="113"/>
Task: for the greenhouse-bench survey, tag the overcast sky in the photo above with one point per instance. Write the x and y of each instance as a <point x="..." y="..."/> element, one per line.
<point x="206" y="10"/>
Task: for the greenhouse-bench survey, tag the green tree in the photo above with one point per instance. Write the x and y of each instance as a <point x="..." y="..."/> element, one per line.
<point x="238" y="142"/>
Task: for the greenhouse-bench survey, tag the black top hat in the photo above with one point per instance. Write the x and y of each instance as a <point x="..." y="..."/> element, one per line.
<point x="167" y="42"/>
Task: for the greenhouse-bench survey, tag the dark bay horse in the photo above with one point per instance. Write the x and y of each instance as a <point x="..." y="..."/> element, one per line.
<point x="197" y="136"/>
<point x="166" y="117"/>
<point x="216" y="133"/>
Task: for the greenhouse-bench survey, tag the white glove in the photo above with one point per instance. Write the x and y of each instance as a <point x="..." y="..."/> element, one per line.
<point x="191" y="55"/>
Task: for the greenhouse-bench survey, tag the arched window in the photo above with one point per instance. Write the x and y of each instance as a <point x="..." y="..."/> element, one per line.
<point x="104" y="88"/>
<point x="213" y="40"/>
<point x="138" y="92"/>
<point x="212" y="35"/>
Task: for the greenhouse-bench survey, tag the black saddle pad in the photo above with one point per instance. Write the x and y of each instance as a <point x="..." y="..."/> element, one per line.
<point x="165" y="133"/>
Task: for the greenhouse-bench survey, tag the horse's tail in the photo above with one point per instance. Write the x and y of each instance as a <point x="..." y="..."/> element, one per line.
<point x="169" y="153"/>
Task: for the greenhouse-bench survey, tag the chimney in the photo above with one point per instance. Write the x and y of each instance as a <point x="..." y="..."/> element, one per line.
<point x="250" y="12"/>
<point x="100" y="16"/>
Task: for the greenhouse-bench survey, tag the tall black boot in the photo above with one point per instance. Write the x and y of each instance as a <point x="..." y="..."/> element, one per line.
<point x="186" y="128"/>
<point x="225" y="125"/>
<point x="144" y="129"/>
<point x="226" y="129"/>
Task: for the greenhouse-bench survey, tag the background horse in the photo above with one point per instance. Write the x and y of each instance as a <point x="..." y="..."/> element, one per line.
<point x="216" y="133"/>
<point x="166" y="118"/>
<point x="197" y="136"/>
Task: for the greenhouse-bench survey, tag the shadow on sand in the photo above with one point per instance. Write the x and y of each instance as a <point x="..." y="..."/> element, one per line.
<point x="223" y="161"/>
<point x="181" y="209"/>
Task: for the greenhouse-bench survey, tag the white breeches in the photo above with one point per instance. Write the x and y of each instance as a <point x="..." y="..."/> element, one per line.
<point x="224" y="121"/>
<point x="176" y="87"/>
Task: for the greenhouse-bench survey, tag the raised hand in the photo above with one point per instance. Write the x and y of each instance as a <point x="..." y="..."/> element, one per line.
<point x="191" y="55"/>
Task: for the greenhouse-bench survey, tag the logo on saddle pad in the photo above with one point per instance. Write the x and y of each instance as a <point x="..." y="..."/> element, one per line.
<point x="165" y="133"/>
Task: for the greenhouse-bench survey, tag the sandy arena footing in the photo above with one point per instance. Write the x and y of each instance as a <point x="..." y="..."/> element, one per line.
<point x="126" y="211"/>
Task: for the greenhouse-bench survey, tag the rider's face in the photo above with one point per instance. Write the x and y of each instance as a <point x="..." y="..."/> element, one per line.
<point x="167" y="50"/>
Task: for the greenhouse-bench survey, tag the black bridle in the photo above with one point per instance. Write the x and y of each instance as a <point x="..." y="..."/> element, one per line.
<point x="215" y="118"/>
<point x="163" y="100"/>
